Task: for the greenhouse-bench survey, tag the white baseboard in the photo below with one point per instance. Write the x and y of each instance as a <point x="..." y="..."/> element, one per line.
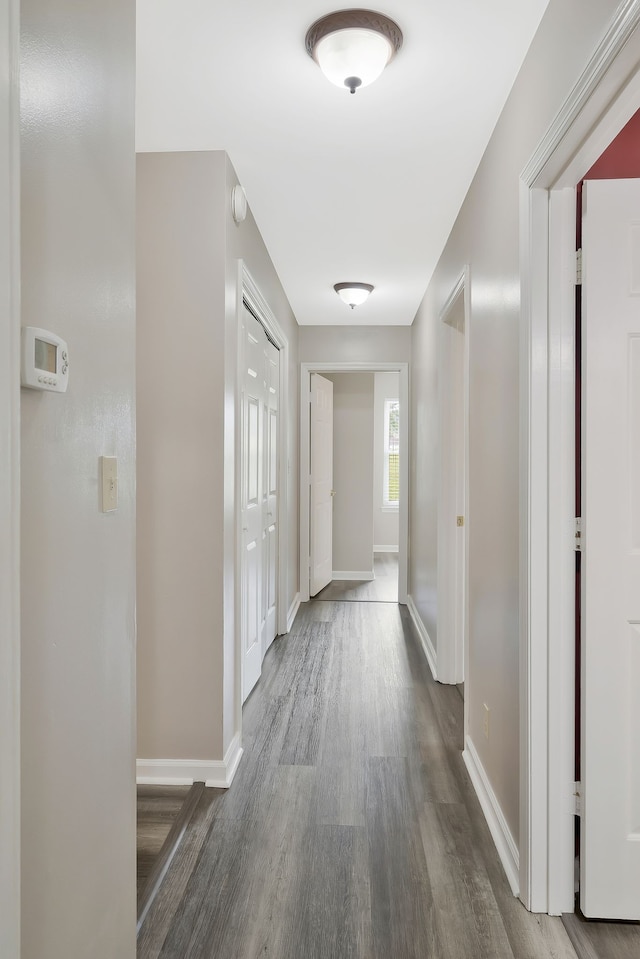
<point x="293" y="611"/>
<point x="361" y="575"/>
<point x="425" y="639"/>
<point x="504" y="841"/>
<point x="185" y="772"/>
<point x="386" y="549"/>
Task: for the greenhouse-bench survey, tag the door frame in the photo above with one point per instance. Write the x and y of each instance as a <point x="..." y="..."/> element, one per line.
<point x="10" y="481"/>
<point x="452" y="666"/>
<point x="306" y="369"/>
<point x="248" y="291"/>
<point x="605" y="96"/>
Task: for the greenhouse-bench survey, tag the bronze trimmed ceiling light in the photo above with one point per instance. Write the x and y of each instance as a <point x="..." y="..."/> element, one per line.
<point x="353" y="294"/>
<point x="352" y="47"/>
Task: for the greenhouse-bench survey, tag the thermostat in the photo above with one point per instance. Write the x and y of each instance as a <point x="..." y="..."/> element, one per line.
<point x="45" y="360"/>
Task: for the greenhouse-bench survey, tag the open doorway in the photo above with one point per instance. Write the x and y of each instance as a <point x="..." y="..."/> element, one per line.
<point x="453" y="508"/>
<point x="358" y="571"/>
<point x="364" y="467"/>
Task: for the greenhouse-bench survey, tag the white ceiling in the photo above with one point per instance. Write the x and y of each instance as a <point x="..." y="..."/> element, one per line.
<point x="363" y="187"/>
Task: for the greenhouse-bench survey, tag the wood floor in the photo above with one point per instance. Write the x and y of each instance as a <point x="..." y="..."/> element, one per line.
<point x="351" y="830"/>
<point x="382" y="589"/>
<point x="158" y="808"/>
<point x="603" y="940"/>
<point x="163" y="816"/>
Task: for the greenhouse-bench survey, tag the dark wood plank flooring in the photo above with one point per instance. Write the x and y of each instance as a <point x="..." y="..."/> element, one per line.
<point x="158" y="808"/>
<point x="603" y="940"/>
<point x="351" y="830"/>
<point x="382" y="589"/>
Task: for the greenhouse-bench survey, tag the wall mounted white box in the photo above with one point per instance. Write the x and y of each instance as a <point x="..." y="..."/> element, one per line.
<point x="109" y="474"/>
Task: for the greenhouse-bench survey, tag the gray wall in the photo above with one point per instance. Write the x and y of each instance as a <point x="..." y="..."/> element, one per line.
<point x="78" y="564"/>
<point x="188" y="250"/>
<point x="352" y="471"/>
<point x="485" y="236"/>
<point x="180" y="385"/>
<point x="353" y="344"/>
<point x="9" y="485"/>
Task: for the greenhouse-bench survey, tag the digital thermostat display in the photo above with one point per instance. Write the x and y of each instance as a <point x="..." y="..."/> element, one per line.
<point x="45" y="355"/>
<point x="45" y="360"/>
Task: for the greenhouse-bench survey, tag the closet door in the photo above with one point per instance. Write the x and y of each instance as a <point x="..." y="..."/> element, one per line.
<point x="253" y="409"/>
<point x="270" y="494"/>
<point x="260" y="384"/>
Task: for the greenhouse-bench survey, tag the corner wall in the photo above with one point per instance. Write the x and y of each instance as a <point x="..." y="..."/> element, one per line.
<point x="486" y="236"/>
<point x="78" y="564"/>
<point x="188" y="260"/>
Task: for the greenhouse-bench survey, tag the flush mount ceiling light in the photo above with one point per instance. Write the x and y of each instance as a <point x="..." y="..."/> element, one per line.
<point x="352" y="47"/>
<point x="353" y="294"/>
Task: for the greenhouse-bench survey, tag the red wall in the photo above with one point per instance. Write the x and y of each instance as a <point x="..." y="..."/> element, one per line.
<point x="621" y="159"/>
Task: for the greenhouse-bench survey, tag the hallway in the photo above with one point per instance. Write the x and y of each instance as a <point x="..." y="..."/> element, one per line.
<point x="351" y="829"/>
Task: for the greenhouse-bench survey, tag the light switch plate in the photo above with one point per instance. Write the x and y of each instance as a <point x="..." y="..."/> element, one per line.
<point x="109" y="473"/>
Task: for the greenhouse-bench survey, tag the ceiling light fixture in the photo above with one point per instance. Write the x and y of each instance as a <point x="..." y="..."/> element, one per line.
<point x="352" y="47"/>
<point x="353" y="294"/>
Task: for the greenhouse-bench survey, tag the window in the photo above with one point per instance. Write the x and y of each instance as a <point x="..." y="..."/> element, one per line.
<point x="391" y="479"/>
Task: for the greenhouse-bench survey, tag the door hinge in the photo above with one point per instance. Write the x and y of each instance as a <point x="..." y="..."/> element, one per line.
<point x="310" y="563"/>
<point x="578" y="267"/>
<point x="577" y="799"/>
<point x="578" y="535"/>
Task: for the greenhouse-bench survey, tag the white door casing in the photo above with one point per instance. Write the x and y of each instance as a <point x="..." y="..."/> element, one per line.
<point x="610" y="620"/>
<point x="321" y="484"/>
<point x="603" y="99"/>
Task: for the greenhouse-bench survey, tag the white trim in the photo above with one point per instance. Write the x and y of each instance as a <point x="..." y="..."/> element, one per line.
<point x="498" y="827"/>
<point x="452" y="648"/>
<point x="360" y="575"/>
<point x="425" y="640"/>
<point x="9" y="483"/>
<point x="266" y="316"/>
<point x="385" y="549"/>
<point x="595" y="110"/>
<point x="293" y="612"/>
<point x="185" y="772"/>
<point x="306" y="369"/>
<point x="247" y="290"/>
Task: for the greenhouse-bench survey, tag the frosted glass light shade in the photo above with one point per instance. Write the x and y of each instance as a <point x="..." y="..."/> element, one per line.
<point x="353" y="294"/>
<point x="352" y="47"/>
<point x="347" y="56"/>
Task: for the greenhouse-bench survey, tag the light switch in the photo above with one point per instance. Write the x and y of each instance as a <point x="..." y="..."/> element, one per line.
<point x="109" y="471"/>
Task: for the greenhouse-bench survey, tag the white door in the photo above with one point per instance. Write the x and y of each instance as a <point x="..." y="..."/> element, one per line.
<point x="321" y="471"/>
<point x="270" y="495"/>
<point x="451" y="509"/>
<point x="610" y="827"/>
<point x="253" y="406"/>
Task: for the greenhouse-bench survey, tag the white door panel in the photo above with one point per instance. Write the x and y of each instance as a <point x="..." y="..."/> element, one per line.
<point x="610" y="830"/>
<point x="321" y="467"/>
<point x="253" y="397"/>
<point x="270" y="493"/>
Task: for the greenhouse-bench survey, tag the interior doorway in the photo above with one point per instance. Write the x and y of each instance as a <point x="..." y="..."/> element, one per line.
<point x="453" y="506"/>
<point x="355" y="471"/>
<point x="603" y="100"/>
<point x="364" y="573"/>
